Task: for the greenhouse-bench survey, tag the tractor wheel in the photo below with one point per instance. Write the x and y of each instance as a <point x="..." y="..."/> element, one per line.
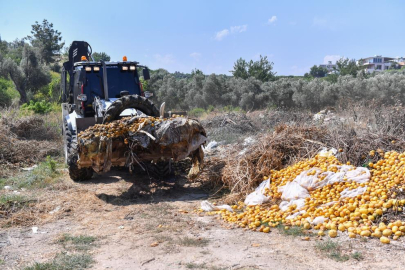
<point x="70" y="148"/>
<point x="130" y="102"/>
<point x="160" y="170"/>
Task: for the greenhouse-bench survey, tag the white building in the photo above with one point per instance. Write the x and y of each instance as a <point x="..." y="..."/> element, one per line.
<point x="376" y="63"/>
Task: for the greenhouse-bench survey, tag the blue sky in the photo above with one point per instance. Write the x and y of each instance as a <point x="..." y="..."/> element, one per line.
<point x="211" y="35"/>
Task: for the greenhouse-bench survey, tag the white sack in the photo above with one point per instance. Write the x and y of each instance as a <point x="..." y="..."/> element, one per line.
<point x="257" y="197"/>
<point x="293" y="191"/>
<point x="208" y="207"/>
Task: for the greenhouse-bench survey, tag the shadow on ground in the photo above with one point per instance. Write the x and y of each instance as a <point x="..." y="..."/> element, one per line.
<point x="154" y="193"/>
<point x="146" y="189"/>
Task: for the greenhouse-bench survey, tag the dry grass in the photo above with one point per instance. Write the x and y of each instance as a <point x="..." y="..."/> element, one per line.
<point x="52" y="203"/>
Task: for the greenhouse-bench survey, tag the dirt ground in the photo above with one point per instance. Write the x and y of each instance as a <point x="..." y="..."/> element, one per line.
<point x="136" y="229"/>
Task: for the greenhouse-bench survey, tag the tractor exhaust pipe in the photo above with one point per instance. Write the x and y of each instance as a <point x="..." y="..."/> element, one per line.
<point x="105" y="80"/>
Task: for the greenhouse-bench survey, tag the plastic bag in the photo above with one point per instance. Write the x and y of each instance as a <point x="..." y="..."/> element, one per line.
<point x="248" y="141"/>
<point x="208" y="207"/>
<point x="296" y="214"/>
<point x="349" y="193"/>
<point x="345" y="173"/>
<point x="257" y="197"/>
<point x="326" y="153"/>
<point x="284" y="205"/>
<point x="293" y="191"/>
<point x="327" y="204"/>
<point x="210" y="146"/>
<point x="360" y="175"/>
<point x="317" y="220"/>
<point x="308" y="181"/>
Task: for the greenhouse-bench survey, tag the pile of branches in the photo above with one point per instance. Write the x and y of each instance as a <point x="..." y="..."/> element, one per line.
<point x="24" y="142"/>
<point x="245" y="171"/>
<point x="33" y="128"/>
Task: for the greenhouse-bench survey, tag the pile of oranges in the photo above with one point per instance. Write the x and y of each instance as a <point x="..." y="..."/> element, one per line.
<point x="359" y="216"/>
<point x="121" y="127"/>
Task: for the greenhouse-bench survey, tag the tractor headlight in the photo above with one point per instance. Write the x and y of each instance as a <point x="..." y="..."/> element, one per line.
<point x="148" y="94"/>
<point x="88" y="69"/>
<point x="132" y="68"/>
<point x="124" y="68"/>
<point x="96" y="69"/>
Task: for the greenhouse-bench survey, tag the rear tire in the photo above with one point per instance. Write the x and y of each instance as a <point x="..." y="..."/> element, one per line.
<point x="130" y="102"/>
<point x="71" y="155"/>
<point x="160" y="170"/>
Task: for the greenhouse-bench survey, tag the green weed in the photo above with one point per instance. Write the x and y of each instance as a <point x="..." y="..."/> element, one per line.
<point x="42" y="176"/>
<point x="81" y="242"/>
<point x="192" y="265"/>
<point x="293" y="231"/>
<point x="12" y="202"/>
<point x="337" y="256"/>
<point x="65" y="262"/>
<point x="332" y="250"/>
<point x="327" y="246"/>
<point x="357" y="256"/>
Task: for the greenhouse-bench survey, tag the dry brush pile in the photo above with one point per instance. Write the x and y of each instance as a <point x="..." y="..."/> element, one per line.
<point x="24" y="141"/>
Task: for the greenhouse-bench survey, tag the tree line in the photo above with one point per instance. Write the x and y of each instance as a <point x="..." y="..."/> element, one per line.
<point x="202" y="91"/>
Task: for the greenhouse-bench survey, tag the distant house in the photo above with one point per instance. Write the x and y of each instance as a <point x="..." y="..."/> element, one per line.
<point x="400" y="62"/>
<point x="329" y="67"/>
<point x="376" y="63"/>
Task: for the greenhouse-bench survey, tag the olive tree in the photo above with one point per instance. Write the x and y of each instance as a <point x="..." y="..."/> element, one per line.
<point x="29" y="75"/>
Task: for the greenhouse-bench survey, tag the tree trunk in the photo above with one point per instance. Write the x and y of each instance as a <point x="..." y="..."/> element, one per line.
<point x="20" y="89"/>
<point x="23" y="96"/>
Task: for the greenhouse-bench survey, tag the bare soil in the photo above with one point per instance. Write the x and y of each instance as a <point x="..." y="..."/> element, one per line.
<point x="144" y="225"/>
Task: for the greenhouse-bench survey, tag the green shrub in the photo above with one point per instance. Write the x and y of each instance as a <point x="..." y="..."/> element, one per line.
<point x="197" y="112"/>
<point x="51" y="91"/>
<point x="40" y="107"/>
<point x="51" y="163"/>
<point x="7" y="92"/>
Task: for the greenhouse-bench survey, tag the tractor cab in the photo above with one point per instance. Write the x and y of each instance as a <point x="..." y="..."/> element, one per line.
<point x="87" y="84"/>
<point x="90" y="87"/>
